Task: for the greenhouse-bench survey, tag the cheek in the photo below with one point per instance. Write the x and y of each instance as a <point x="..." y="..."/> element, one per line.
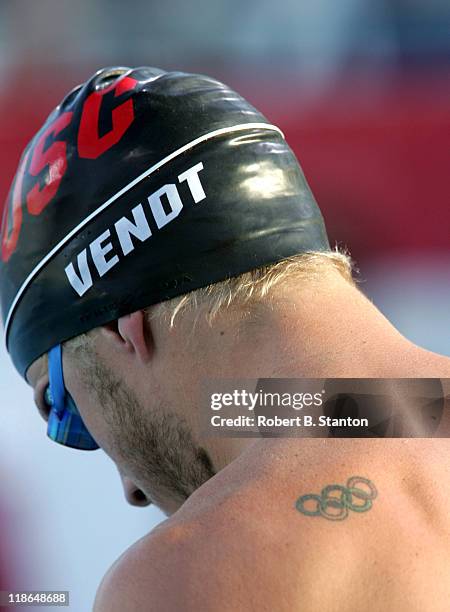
<point x="91" y="414"/>
<point x="88" y="407"/>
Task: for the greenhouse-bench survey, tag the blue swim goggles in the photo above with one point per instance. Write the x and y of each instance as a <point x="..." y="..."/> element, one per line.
<point x="65" y="424"/>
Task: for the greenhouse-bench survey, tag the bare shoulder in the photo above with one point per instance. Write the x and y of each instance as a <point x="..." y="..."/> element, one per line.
<point x="198" y="564"/>
<point x="237" y="544"/>
<point x="144" y="576"/>
<point x="243" y="542"/>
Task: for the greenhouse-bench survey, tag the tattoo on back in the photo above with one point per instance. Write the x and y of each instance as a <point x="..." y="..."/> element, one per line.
<point x="335" y="501"/>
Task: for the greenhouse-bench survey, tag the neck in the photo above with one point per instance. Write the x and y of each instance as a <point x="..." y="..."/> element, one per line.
<point x="328" y="329"/>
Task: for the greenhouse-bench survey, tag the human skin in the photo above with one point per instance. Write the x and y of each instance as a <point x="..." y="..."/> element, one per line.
<point x="255" y="550"/>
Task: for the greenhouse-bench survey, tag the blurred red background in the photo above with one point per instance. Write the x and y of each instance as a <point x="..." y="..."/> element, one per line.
<point x="361" y="90"/>
<point x="377" y="160"/>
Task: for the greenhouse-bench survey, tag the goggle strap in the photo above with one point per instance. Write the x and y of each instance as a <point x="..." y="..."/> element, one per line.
<point x="56" y="378"/>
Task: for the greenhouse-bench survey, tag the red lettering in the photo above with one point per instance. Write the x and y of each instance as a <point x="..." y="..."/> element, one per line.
<point x="90" y="144"/>
<point x="55" y="159"/>
<point x="9" y="239"/>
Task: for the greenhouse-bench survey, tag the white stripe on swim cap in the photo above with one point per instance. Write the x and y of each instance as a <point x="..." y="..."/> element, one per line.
<point x="228" y="130"/>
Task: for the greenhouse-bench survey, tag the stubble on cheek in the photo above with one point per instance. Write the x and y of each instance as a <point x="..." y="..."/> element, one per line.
<point x="153" y="446"/>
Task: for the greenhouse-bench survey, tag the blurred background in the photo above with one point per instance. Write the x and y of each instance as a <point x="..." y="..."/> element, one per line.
<point x="361" y="90"/>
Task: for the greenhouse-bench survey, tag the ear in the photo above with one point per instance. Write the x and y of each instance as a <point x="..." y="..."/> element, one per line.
<point x="132" y="334"/>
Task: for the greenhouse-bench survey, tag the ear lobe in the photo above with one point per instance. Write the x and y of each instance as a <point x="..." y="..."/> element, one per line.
<point x="131" y="333"/>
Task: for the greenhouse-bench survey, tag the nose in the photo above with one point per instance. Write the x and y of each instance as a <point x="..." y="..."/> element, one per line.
<point x="133" y="494"/>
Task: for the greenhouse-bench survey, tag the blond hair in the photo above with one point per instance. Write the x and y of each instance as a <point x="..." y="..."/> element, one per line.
<point x="249" y="288"/>
<point x="254" y="286"/>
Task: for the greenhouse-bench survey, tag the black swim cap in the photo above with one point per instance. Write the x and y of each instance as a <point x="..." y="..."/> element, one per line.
<point x="143" y="185"/>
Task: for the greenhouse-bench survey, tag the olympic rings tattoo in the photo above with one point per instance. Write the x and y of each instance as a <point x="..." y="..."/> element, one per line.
<point x="340" y="498"/>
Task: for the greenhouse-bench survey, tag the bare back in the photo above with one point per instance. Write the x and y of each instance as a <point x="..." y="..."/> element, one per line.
<point x="391" y="551"/>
